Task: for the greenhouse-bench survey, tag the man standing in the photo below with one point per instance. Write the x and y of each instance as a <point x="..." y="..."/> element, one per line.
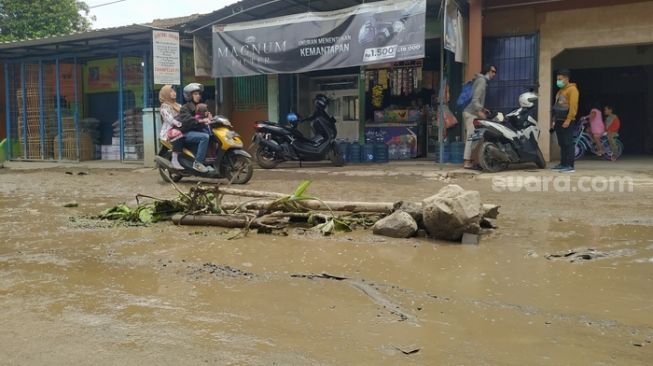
<point x="564" y="116"/>
<point x="476" y="108"/>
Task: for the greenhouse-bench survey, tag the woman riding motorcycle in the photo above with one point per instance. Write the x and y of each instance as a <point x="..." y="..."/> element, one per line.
<point x="195" y="131"/>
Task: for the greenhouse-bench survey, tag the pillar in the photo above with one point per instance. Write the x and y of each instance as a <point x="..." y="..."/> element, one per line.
<point x="475" y="43"/>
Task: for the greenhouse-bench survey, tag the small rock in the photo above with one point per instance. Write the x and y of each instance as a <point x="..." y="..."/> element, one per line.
<point x="82" y="173"/>
<point x="412" y="208"/>
<point x="470" y="238"/>
<point x="69" y="173"/>
<point x="71" y="204"/>
<point x="490" y="211"/>
<point x="397" y="225"/>
<point x="487" y="223"/>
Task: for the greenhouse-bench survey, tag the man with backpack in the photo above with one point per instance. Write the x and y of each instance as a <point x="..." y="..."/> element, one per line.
<point x="473" y="99"/>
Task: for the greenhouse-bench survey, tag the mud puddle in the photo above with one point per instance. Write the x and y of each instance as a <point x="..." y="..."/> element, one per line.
<point x="75" y="293"/>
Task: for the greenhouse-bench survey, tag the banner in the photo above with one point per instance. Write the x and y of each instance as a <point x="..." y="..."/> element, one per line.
<point x="166" y="57"/>
<point x="379" y="32"/>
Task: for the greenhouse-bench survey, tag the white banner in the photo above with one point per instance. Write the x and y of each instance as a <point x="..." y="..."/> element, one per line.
<point x="167" y="67"/>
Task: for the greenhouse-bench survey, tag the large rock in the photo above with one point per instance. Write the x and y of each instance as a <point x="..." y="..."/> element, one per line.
<point x="452" y="212"/>
<point x="397" y="225"/>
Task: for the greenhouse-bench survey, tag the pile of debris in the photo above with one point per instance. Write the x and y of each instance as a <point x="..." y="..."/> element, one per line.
<point x="453" y="214"/>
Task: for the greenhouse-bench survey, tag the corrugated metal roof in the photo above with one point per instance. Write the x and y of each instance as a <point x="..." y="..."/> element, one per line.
<point x="78" y="36"/>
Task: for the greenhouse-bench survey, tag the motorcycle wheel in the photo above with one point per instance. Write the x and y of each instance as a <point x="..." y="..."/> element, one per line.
<point x="266" y="159"/>
<point x="540" y="162"/>
<point x="168" y="176"/>
<point x="486" y="161"/>
<point x="238" y="169"/>
<point x="336" y="157"/>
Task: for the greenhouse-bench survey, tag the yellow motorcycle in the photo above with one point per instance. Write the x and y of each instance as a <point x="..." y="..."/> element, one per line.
<point x="229" y="159"/>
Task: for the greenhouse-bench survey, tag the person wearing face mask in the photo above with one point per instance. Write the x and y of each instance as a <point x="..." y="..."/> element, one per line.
<point x="564" y="115"/>
<point x="195" y="131"/>
<point x="476" y="108"/>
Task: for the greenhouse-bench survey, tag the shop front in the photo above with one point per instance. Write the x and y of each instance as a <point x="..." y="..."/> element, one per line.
<point x="379" y="63"/>
<point x="84" y="96"/>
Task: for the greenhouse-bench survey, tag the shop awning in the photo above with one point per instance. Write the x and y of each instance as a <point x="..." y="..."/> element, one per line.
<point x="92" y="43"/>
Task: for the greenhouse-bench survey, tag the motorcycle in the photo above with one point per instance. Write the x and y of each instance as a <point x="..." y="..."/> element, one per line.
<point x="509" y="139"/>
<point x="276" y="143"/>
<point x="584" y="143"/>
<point x="230" y="160"/>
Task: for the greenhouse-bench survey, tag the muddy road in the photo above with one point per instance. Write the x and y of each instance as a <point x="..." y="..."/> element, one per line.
<point x="566" y="280"/>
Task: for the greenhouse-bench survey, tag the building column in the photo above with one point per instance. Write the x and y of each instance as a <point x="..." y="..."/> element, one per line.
<point x="475" y="43"/>
<point x="273" y="97"/>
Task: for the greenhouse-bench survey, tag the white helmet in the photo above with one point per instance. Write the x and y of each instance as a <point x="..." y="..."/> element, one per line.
<point x="527" y="100"/>
<point x="190" y="89"/>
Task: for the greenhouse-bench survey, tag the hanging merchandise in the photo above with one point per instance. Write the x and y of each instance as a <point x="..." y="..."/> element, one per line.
<point x="418" y="78"/>
<point x="383" y="78"/>
<point x="377" y="96"/>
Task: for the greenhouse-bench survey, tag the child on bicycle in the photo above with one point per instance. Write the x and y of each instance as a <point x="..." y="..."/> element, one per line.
<point x="612" y="125"/>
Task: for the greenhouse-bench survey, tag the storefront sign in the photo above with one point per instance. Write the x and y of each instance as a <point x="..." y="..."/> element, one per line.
<point x="166" y="57"/>
<point x="379" y="32"/>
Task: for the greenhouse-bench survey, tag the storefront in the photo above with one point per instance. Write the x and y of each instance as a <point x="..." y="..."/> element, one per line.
<point x="375" y="98"/>
<point x="85" y="96"/>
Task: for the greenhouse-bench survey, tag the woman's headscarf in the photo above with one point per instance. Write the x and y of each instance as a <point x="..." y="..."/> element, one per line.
<point x="165" y="97"/>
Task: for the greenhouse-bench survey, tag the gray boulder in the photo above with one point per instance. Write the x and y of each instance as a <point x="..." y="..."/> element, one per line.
<point x="412" y="208"/>
<point x="397" y="225"/>
<point x="452" y="212"/>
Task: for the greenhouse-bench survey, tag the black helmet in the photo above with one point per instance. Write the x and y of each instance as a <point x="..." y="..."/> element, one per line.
<point x="192" y="88"/>
<point x="321" y="102"/>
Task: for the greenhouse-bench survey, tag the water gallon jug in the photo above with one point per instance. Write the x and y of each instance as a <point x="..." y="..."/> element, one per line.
<point x="345" y="150"/>
<point x="404" y="151"/>
<point x="381" y="152"/>
<point x="355" y="152"/>
<point x="457" y="151"/>
<point x="367" y="153"/>
<point x="393" y="151"/>
<point x="446" y="154"/>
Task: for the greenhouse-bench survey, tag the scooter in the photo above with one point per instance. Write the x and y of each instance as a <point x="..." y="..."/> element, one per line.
<point x="229" y="161"/>
<point x="276" y="143"/>
<point x="509" y="139"/>
<point x="585" y="143"/>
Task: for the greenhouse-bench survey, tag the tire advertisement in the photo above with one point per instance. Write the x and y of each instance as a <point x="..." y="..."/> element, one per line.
<point x="372" y="33"/>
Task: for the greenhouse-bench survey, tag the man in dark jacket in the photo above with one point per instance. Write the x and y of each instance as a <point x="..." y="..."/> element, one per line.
<point x="195" y="130"/>
<point x="476" y="108"/>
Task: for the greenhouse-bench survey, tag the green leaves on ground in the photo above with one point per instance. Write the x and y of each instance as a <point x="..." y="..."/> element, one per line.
<point x="145" y="214"/>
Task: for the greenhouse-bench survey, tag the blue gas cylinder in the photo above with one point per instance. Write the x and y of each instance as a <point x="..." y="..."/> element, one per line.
<point x="345" y="150"/>
<point x="381" y="153"/>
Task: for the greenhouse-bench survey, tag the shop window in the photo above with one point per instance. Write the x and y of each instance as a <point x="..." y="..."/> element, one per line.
<point x="250" y="93"/>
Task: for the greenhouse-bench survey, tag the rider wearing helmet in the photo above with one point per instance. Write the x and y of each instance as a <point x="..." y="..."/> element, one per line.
<point x="195" y="130"/>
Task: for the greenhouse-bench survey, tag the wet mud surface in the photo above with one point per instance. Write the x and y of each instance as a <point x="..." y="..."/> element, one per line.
<point x="565" y="280"/>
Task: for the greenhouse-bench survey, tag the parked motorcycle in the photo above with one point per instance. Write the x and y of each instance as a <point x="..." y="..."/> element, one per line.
<point x="509" y="139"/>
<point x="230" y="160"/>
<point x="276" y="143"/>
<point x="585" y="143"/>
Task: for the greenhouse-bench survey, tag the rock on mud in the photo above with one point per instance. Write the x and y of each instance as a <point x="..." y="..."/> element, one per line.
<point x="452" y="212"/>
<point x="397" y="225"/>
<point x="412" y="208"/>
